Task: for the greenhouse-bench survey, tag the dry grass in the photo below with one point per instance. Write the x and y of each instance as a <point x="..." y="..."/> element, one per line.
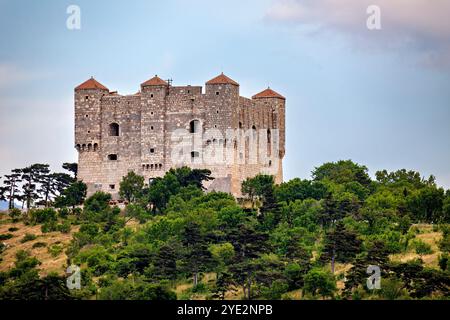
<point x="48" y="263"/>
<point x="428" y="236"/>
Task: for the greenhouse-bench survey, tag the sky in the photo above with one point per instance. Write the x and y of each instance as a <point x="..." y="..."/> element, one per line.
<point x="379" y="97"/>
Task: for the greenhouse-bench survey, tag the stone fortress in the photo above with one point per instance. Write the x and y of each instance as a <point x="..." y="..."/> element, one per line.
<point x="115" y="134"/>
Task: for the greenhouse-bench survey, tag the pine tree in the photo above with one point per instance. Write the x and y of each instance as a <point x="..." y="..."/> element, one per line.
<point x="11" y="185"/>
<point x="340" y="245"/>
<point x="197" y="255"/>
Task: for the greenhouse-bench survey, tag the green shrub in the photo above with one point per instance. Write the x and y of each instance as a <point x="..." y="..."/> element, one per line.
<point x="49" y="226"/>
<point x="42" y="215"/>
<point x="276" y="290"/>
<point x="64" y="227"/>
<point x="443" y="262"/>
<point x="77" y="211"/>
<point x="13" y="229"/>
<point x="200" y="288"/>
<point x="39" y="245"/>
<point x="444" y="244"/>
<point x="15" y="214"/>
<point x="63" y="212"/>
<point x="421" y="247"/>
<point x="6" y="236"/>
<point x="55" y="250"/>
<point x="28" y="237"/>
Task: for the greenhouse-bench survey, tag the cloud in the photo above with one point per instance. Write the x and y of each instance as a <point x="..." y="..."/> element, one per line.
<point x="11" y="75"/>
<point x="421" y="27"/>
<point x="35" y="130"/>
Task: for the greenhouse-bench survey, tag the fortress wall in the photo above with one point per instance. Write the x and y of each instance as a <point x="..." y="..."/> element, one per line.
<point x="147" y="121"/>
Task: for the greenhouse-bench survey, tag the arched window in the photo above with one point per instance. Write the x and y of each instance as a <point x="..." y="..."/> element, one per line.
<point x="113" y="130"/>
<point x="95" y="146"/>
<point x="89" y="146"/>
<point x="240" y="125"/>
<point x="194" y="126"/>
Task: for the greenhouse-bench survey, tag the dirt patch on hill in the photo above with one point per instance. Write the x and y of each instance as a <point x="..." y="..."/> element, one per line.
<point x="49" y="263"/>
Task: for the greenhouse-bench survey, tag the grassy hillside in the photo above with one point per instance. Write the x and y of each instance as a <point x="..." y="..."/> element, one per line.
<point x="303" y="239"/>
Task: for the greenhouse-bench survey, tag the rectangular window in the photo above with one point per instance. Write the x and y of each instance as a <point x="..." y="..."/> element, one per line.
<point x="112" y="186"/>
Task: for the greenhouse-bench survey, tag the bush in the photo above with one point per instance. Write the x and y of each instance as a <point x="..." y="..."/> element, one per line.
<point x="43" y="215"/>
<point x="39" y="245"/>
<point x="63" y="212"/>
<point x="49" y="226"/>
<point x="15" y="214"/>
<point x="444" y="244"/>
<point x="443" y="262"/>
<point x="421" y="247"/>
<point x="64" y="227"/>
<point x="99" y="201"/>
<point x="276" y="290"/>
<point x="13" y="229"/>
<point x="200" y="288"/>
<point x="6" y="236"/>
<point x="55" y="250"/>
<point x="28" y="237"/>
<point x="320" y="282"/>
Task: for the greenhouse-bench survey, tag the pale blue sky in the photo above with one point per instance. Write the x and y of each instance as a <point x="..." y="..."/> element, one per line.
<point x="380" y="98"/>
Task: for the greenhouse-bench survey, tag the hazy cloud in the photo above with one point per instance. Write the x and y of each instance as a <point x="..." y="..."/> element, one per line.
<point x="420" y="26"/>
<point x="12" y="75"/>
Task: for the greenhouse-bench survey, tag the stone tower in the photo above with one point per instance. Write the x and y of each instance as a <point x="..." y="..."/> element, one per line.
<point x="164" y="126"/>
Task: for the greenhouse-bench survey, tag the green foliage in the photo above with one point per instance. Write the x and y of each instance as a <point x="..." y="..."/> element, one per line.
<point x="276" y="290"/>
<point x="444" y="263"/>
<point x="72" y="196"/>
<point x="222" y="253"/>
<point x="298" y="189"/>
<point x="285" y="242"/>
<point x="98" y="202"/>
<point x="320" y="282"/>
<point x="135" y="290"/>
<point x="162" y="189"/>
<point x="131" y="187"/>
<point x="49" y="226"/>
<point x="63" y="212"/>
<point x="342" y="172"/>
<point x="6" y="236"/>
<point x="28" y="237"/>
<point x="340" y="245"/>
<point x="39" y="245"/>
<point x="421" y="247"/>
<point x="15" y="214"/>
<point x="55" y="250"/>
<point x="393" y="289"/>
<point x="136" y="211"/>
<point x="38" y="216"/>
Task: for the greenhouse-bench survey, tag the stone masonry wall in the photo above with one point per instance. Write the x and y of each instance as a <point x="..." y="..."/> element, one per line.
<point x="147" y="121"/>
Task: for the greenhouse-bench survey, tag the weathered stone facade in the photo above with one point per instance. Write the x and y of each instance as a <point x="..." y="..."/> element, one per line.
<point x="164" y="126"/>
